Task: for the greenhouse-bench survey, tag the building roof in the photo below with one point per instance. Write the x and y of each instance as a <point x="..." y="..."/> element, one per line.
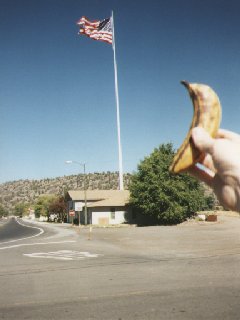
<point x="102" y="198"/>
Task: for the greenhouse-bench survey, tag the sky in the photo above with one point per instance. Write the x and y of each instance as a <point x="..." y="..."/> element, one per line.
<point x="57" y="96"/>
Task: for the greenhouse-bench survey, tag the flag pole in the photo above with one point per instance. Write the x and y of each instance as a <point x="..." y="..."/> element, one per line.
<point x="121" y="187"/>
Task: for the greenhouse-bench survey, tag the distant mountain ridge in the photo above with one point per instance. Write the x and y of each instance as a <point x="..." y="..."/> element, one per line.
<point x="28" y="191"/>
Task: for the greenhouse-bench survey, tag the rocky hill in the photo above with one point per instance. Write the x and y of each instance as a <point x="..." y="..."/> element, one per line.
<point x="28" y="191"/>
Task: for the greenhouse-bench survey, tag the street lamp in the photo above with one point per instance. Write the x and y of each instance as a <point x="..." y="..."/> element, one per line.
<point x="84" y="184"/>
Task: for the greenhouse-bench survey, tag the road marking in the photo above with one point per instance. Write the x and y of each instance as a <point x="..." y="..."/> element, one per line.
<point x="24" y="225"/>
<point x="34" y="244"/>
<point x="63" y="255"/>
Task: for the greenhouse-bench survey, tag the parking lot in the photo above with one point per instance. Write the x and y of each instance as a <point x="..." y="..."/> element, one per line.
<point x="189" y="271"/>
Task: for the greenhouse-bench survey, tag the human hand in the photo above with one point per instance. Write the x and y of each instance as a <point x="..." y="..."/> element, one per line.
<point x="220" y="168"/>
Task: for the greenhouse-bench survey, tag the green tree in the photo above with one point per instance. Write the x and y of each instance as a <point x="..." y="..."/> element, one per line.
<point x="3" y="211"/>
<point x="167" y="197"/>
<point x="42" y="205"/>
<point x="21" y="209"/>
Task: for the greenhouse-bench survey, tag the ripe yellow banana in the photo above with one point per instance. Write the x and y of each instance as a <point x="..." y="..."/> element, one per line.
<point x="207" y="114"/>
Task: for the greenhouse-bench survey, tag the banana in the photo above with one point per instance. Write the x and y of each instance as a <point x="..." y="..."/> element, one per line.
<point x="207" y="114"/>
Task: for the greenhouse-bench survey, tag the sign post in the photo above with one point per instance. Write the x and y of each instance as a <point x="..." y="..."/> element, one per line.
<point x="72" y="214"/>
<point x="78" y="208"/>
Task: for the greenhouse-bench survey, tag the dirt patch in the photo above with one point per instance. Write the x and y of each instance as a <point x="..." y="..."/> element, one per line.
<point x="228" y="213"/>
<point x="197" y="221"/>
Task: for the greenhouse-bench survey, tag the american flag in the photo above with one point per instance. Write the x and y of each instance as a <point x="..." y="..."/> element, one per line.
<point x="97" y="30"/>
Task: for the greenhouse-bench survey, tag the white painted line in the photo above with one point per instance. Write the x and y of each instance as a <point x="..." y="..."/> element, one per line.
<point x="36" y="243"/>
<point x="23" y="225"/>
<point x="66" y="255"/>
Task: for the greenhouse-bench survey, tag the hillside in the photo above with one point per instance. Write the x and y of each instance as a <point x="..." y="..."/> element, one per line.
<point x="28" y="191"/>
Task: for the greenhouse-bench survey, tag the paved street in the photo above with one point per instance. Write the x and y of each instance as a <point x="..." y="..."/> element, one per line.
<point x="189" y="271"/>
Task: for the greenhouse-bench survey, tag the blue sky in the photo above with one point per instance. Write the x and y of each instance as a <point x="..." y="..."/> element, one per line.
<point x="57" y="99"/>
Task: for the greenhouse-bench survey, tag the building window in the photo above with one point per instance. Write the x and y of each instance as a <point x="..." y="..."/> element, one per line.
<point x="113" y="213"/>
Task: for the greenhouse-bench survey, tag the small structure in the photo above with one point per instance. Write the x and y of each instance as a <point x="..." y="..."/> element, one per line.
<point x="104" y="207"/>
<point x="212" y="217"/>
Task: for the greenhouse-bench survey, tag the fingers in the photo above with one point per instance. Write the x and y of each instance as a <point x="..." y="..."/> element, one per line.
<point x="208" y="163"/>
<point x="202" y="140"/>
<point x="202" y="174"/>
<point x="222" y="133"/>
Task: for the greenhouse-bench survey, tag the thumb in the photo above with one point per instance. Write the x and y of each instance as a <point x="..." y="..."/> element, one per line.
<point x="202" y="140"/>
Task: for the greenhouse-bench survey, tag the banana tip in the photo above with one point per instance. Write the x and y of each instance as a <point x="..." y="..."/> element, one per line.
<point x="185" y="83"/>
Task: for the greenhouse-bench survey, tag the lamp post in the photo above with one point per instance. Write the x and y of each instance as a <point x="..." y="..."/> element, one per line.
<point x="84" y="184"/>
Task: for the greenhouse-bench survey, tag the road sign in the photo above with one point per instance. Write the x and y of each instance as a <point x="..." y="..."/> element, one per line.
<point x="79" y="206"/>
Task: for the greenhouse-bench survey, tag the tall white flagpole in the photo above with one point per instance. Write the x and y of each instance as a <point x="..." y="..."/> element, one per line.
<point x="121" y="187"/>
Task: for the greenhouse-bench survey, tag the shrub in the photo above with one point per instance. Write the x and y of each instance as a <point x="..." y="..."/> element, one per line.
<point x="168" y="197"/>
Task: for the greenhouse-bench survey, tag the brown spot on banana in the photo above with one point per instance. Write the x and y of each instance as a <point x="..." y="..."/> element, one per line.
<point x="207" y="114"/>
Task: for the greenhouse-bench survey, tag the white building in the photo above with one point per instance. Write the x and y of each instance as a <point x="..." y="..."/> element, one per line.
<point x="104" y="207"/>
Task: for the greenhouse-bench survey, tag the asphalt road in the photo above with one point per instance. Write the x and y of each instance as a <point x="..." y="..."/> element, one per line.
<point x="13" y="229"/>
<point x="184" y="272"/>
